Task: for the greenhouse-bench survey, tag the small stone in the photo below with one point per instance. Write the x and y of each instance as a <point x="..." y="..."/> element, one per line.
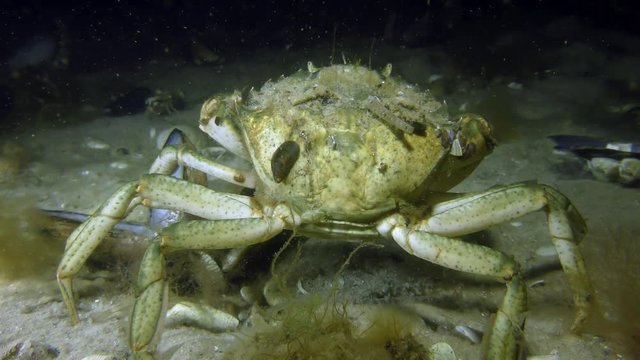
<point x="100" y="357"/>
<point x="95" y="144"/>
<point x="514" y="86"/>
<point x="629" y="170"/>
<point x="546" y="251"/>
<point x="120" y="165"/>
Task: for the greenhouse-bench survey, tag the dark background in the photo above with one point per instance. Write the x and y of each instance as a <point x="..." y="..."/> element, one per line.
<point x="126" y="39"/>
<point x="106" y="33"/>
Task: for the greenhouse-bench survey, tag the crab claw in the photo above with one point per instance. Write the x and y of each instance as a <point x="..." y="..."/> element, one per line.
<point x="473" y="139"/>
<point x="217" y="122"/>
<point x="470" y="141"/>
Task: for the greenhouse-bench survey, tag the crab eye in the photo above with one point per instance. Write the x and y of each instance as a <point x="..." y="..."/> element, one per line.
<point x="217" y="120"/>
<point x="283" y="160"/>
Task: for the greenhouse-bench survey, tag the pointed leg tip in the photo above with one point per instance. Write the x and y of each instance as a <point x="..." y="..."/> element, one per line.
<point x="66" y="289"/>
<point x="143" y="355"/>
<point x="579" y="322"/>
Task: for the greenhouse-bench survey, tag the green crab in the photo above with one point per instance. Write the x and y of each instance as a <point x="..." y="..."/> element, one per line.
<point x="340" y="152"/>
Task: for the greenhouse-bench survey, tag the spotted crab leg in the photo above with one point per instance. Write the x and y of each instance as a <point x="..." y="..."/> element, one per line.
<point x="567" y="228"/>
<point x="152" y="190"/>
<point x="190" y="235"/>
<point x="476" y="259"/>
<point x="433" y="239"/>
<point x="84" y="239"/>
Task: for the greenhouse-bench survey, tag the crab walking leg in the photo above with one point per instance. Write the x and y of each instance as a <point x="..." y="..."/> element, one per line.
<point x="474" y="212"/>
<point x="502" y="342"/>
<point x="154" y="190"/>
<point x="165" y="192"/>
<point x="187" y="235"/>
<point x="86" y="237"/>
<point x="567" y="227"/>
<point x="172" y="156"/>
<point x="504" y="337"/>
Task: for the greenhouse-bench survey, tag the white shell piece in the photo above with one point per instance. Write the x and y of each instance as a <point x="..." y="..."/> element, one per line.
<point x="434" y="77"/>
<point x="202" y="316"/>
<point x="456" y="149"/>
<point x="469" y="333"/>
<point x="301" y="290"/>
<point x="441" y="351"/>
<point x="248" y="294"/>
<point x="446" y="318"/>
<point x="537" y="283"/>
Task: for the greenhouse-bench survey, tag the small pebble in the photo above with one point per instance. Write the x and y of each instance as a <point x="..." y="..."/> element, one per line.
<point x="94" y="144"/>
<point x="514" y="86"/>
<point x="554" y="355"/>
<point x="202" y="316"/>
<point x="546" y="251"/>
<point x="120" y="165"/>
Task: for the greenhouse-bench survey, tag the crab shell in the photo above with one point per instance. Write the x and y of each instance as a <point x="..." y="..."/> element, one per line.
<point x="347" y="143"/>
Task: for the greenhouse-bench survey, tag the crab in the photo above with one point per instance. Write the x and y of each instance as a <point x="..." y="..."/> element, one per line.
<point x="341" y="152"/>
<point x="164" y="103"/>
